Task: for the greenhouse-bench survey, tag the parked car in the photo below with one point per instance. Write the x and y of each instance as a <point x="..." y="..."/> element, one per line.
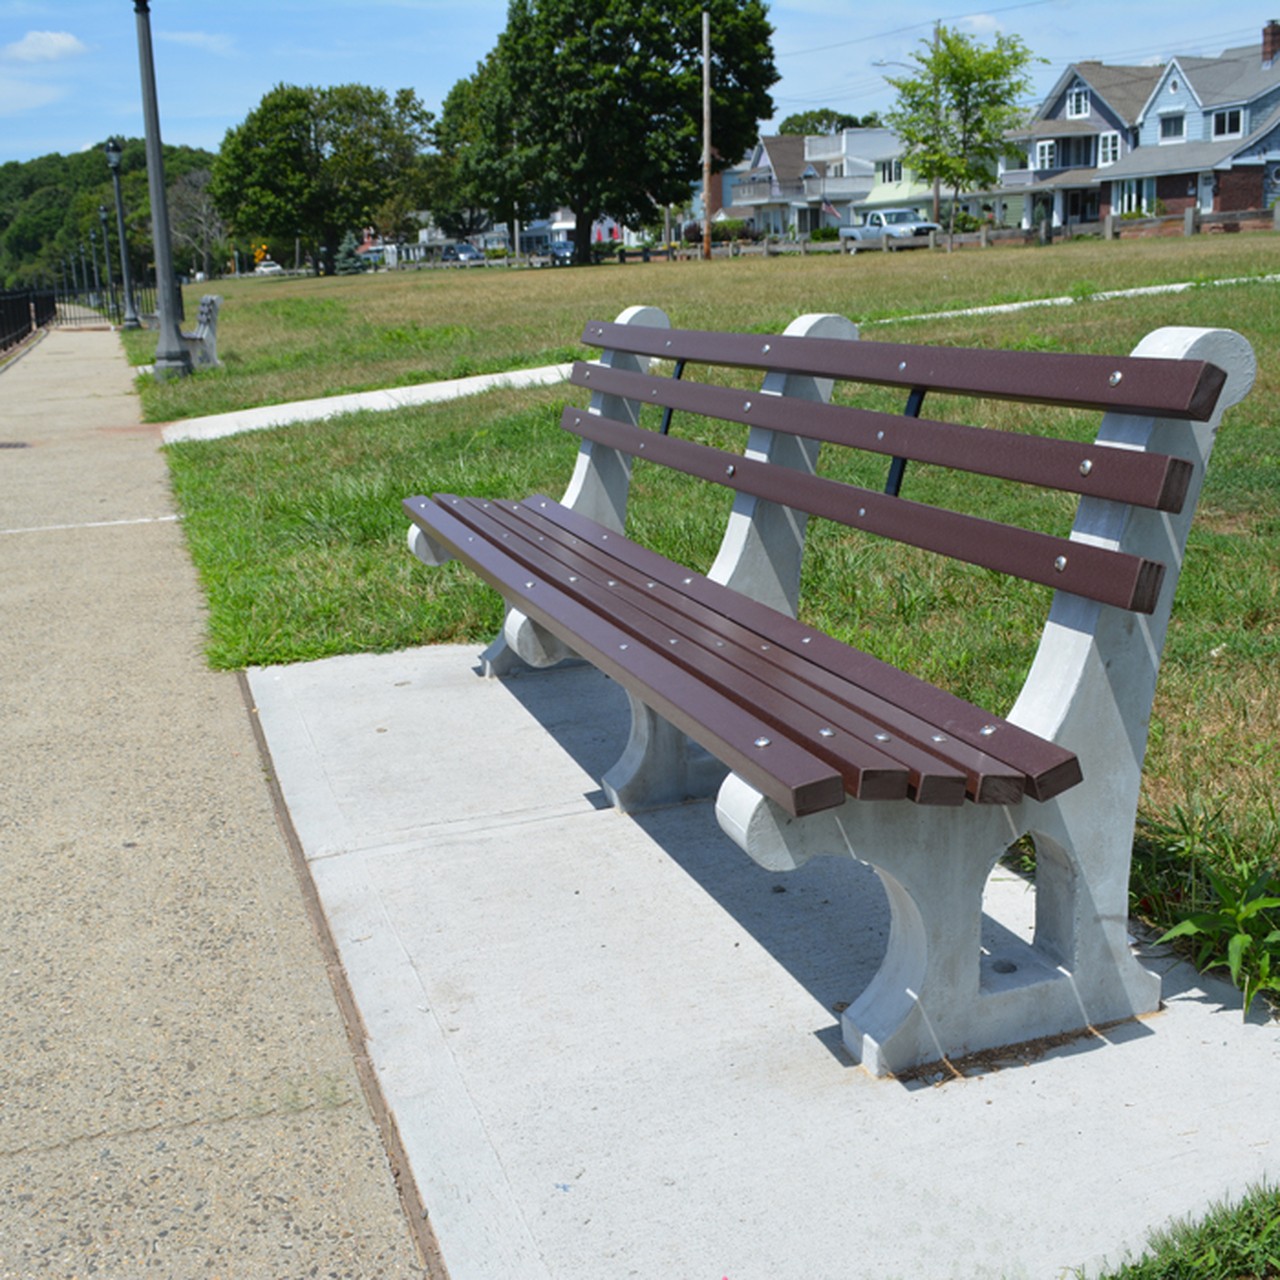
<point x="268" y="268"/>
<point x="463" y="253"/>
<point x="561" y="252"/>
<point x="899" y="228"/>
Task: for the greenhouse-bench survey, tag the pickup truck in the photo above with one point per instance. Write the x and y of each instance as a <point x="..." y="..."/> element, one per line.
<point x="891" y="228"/>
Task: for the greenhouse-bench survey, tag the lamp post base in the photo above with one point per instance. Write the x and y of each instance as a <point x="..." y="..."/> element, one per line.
<point x="172" y="365"/>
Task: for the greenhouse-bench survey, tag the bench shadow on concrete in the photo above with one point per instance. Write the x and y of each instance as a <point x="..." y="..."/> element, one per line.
<point x="826" y="924"/>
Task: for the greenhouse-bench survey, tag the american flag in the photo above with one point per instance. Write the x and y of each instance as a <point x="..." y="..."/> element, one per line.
<point x="829" y="208"/>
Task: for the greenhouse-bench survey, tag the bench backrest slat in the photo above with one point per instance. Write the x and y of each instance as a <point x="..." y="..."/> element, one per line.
<point x="1101" y="471"/>
<point x="1186" y="389"/>
<point x="1129" y="582"/>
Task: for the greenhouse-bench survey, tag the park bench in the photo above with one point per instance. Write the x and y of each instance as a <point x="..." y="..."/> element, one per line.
<point x="814" y="747"/>
<point x="202" y="343"/>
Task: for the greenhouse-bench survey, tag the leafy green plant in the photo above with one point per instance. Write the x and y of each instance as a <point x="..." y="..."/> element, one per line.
<point x="1232" y="1242"/>
<point x="1241" y="932"/>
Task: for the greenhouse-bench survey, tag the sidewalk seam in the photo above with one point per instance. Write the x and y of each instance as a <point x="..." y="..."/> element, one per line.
<point x="415" y="1210"/>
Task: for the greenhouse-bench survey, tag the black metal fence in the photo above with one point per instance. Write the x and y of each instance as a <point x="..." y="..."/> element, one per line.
<point x="23" y="311"/>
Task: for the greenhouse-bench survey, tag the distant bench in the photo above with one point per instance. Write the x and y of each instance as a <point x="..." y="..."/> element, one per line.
<point x="202" y="343"/>
<point x="829" y="750"/>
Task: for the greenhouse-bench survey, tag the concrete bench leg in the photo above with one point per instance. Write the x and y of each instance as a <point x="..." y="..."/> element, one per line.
<point x="660" y="765"/>
<point x="937" y="993"/>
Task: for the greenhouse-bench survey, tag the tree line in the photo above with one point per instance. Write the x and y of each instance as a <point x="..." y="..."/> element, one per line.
<point x="593" y="105"/>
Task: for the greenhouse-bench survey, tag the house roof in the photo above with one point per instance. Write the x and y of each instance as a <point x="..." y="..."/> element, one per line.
<point x="1237" y="76"/>
<point x="1124" y="89"/>
<point x="783" y="156"/>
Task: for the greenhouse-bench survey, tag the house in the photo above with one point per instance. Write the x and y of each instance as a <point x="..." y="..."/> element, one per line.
<point x="795" y="184"/>
<point x="770" y="194"/>
<point x="1196" y="133"/>
<point x="1208" y="136"/>
<point x="1086" y="125"/>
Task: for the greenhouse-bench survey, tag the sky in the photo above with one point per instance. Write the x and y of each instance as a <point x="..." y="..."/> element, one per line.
<point x="69" y="75"/>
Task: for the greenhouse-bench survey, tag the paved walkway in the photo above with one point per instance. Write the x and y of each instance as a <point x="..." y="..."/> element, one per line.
<point x="178" y="1093"/>
<point x="608" y="1047"/>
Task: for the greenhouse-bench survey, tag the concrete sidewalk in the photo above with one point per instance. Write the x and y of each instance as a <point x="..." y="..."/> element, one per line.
<point x="178" y="1093"/>
<point x="607" y="1046"/>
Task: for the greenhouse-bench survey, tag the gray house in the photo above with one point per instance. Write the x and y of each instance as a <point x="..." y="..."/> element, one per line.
<point x="1196" y="133"/>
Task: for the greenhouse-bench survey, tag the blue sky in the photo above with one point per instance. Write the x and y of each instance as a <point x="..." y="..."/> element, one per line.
<point x="69" y="68"/>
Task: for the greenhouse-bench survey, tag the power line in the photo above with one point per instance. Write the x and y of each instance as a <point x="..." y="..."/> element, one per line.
<point x="915" y="26"/>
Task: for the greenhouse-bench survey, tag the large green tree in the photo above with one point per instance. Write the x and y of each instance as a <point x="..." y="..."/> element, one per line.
<point x="826" y="120"/>
<point x="604" y="101"/>
<point x="49" y="205"/>
<point x="954" y="112"/>
<point x="310" y="164"/>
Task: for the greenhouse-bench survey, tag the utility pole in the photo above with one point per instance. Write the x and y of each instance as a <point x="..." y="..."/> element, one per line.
<point x="937" y="182"/>
<point x="706" y="134"/>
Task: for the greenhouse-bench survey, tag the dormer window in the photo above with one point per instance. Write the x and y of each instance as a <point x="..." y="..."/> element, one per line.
<point x="1173" y="128"/>
<point x="1078" y="101"/>
<point x="1228" y="124"/>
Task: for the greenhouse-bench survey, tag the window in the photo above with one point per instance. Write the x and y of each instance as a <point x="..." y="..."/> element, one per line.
<point x="1108" y="149"/>
<point x="1173" y="128"/>
<point x="1078" y="101"/>
<point x="890" y="170"/>
<point x="1047" y="154"/>
<point x="1228" y="124"/>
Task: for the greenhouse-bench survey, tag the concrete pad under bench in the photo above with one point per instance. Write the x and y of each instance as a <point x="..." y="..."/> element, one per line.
<point x="611" y="1044"/>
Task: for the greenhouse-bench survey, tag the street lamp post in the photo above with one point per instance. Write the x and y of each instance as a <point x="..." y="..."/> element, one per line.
<point x="131" y="320"/>
<point x="106" y="258"/>
<point x="172" y="359"/>
<point x="93" y="253"/>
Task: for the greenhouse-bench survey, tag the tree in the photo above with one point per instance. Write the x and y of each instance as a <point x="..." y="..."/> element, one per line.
<point x="312" y="163"/>
<point x="194" y="221"/>
<point x="824" y="120"/>
<point x="953" y="114"/>
<point x="349" y="262"/>
<point x="605" y="97"/>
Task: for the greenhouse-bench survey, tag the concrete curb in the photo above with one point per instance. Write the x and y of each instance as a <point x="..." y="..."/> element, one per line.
<point x="217" y="426"/>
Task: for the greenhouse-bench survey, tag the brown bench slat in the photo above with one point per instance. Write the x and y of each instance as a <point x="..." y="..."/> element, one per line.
<point x="719" y="649"/>
<point x="865" y="715"/>
<point x="1094" y="470"/>
<point x="1110" y="577"/>
<point x="1049" y="768"/>
<point x="793" y="777"/>
<point x="868" y="770"/>
<point x="1128" y="384"/>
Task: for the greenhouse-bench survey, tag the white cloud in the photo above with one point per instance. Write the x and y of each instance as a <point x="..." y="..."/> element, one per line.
<point x="222" y="45"/>
<point x="45" y="46"/>
<point x="21" y="99"/>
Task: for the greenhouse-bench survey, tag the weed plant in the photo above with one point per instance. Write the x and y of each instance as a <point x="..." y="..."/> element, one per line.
<point x="1233" y="1242"/>
<point x="298" y="533"/>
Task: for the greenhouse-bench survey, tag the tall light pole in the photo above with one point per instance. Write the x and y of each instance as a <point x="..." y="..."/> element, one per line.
<point x="706" y="135"/>
<point x="131" y="320"/>
<point x="106" y="258"/>
<point x="172" y="359"/>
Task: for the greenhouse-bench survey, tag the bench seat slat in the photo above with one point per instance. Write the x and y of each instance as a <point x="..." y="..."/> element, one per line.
<point x="1186" y="389"/>
<point x="1048" y="768"/>
<point x="1110" y="577"/>
<point x="718" y="649"/>
<point x="1094" y="470"/>
<point x="795" y="778"/>
<point x="869" y="771"/>
<point x="942" y="769"/>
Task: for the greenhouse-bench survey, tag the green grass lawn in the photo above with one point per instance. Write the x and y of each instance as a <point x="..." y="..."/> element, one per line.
<point x="299" y="537"/>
